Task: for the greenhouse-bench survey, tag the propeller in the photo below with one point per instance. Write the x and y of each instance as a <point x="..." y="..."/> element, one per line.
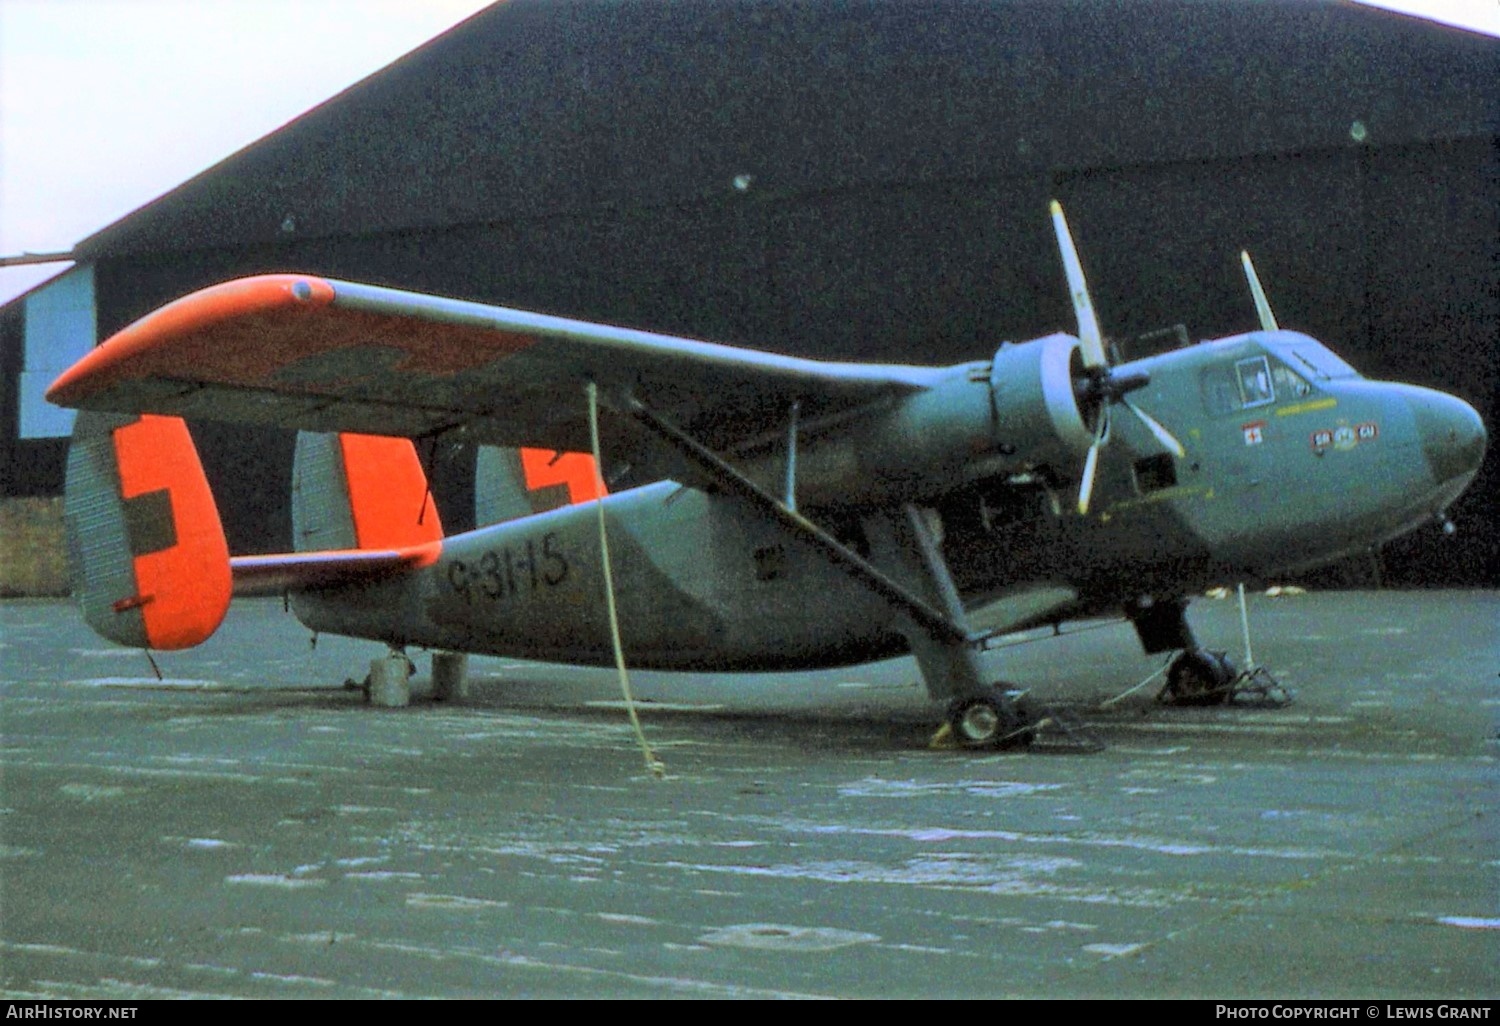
<point x="1099" y="387"/>
<point x="1262" y="305"/>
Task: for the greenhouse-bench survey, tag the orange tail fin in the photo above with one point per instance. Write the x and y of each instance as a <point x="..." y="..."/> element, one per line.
<point x="149" y="562"/>
<point x="360" y="492"/>
<point x="514" y="483"/>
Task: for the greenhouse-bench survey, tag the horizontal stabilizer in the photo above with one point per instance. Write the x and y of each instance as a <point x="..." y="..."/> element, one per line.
<point x="303" y="571"/>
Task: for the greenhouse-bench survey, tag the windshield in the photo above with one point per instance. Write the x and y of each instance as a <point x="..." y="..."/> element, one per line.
<point x="1311" y="356"/>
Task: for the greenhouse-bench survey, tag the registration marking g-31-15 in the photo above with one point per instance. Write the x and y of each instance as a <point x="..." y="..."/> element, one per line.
<point x="507" y="572"/>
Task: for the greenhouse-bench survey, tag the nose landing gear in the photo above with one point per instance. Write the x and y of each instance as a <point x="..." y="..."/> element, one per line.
<point x="1199" y="677"/>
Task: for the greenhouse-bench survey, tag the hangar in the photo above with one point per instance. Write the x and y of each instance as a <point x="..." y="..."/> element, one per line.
<point x="854" y="182"/>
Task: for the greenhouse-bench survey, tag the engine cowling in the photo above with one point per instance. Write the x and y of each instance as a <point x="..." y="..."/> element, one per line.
<point x="1038" y="418"/>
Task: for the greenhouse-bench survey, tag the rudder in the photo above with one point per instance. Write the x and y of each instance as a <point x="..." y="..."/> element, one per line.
<point x="360" y="492"/>
<point x="514" y="483"/>
<point x="147" y="555"/>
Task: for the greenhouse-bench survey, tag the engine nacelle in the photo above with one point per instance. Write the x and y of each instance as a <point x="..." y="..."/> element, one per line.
<point x="1037" y="417"/>
<point x="1015" y="414"/>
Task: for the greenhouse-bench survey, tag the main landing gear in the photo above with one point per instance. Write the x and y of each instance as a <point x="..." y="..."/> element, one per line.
<point x="902" y="565"/>
<point x="1000" y="720"/>
<point x="1003" y="719"/>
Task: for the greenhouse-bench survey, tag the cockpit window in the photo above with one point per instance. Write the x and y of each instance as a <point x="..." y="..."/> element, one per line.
<point x="1251" y="382"/>
<point x="1254" y="376"/>
<point x="1320" y="363"/>
<point x="1220" y="394"/>
<point x="1289" y="384"/>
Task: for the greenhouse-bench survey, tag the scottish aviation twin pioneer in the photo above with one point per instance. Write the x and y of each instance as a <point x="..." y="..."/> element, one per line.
<point x="766" y="512"/>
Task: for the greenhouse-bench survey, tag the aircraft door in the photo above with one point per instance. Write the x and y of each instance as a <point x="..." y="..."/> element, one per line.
<point x="1240" y="394"/>
<point x="1261" y="480"/>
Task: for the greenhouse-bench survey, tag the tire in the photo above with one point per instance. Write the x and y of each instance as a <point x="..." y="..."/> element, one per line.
<point x="984" y="722"/>
<point x="1199" y="677"/>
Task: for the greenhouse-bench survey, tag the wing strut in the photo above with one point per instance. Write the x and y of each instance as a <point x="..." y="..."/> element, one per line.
<point x="790" y="501"/>
<point x="941" y="626"/>
<point x="947" y="652"/>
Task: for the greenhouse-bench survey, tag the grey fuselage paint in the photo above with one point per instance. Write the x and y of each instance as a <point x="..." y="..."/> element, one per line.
<point x="1292" y="461"/>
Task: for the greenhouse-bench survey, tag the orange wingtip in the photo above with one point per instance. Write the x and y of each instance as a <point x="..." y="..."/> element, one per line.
<point x="196" y="314"/>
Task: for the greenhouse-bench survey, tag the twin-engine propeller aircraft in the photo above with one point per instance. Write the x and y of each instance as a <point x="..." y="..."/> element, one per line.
<point x="803" y="513"/>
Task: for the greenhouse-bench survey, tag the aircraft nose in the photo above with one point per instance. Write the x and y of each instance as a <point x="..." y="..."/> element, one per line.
<point x="1453" y="436"/>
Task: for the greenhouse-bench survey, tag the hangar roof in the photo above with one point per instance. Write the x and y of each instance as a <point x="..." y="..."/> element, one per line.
<point x="535" y="108"/>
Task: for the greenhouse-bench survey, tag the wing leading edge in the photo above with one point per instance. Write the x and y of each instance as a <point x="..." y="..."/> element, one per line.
<point x="303" y="352"/>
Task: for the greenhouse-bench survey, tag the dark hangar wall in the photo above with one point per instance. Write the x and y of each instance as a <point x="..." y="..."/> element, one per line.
<point x="870" y="182"/>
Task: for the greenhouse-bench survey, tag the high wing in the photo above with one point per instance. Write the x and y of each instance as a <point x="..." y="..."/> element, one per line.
<point x="298" y="351"/>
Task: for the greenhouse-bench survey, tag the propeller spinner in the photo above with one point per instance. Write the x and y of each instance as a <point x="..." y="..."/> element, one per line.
<point x="1098" y="387"/>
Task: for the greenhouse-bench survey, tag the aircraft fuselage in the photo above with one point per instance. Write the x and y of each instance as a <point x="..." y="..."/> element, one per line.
<point x="1292" y="460"/>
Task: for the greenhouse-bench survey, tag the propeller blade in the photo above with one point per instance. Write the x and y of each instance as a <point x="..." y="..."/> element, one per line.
<point x="1262" y="305"/>
<point x="1086" y="485"/>
<point x="1083" y="308"/>
<point x="1166" y="438"/>
<point x="1091" y="463"/>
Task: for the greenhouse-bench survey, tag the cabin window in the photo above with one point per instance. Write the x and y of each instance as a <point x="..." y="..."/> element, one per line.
<point x="1220" y="394"/>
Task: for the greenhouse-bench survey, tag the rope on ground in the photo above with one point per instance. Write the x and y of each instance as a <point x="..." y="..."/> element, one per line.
<point x="1126" y="694"/>
<point x="655" y="765"/>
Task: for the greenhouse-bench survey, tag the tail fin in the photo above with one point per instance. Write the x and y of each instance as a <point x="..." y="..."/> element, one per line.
<point x="148" y="558"/>
<point x="514" y="483"/>
<point x="360" y="492"/>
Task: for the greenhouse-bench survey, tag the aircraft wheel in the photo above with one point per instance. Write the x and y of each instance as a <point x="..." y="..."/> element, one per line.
<point x="1199" y="677"/>
<point x="989" y="722"/>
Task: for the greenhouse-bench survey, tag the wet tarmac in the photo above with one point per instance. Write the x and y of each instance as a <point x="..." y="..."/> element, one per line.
<point x="247" y="827"/>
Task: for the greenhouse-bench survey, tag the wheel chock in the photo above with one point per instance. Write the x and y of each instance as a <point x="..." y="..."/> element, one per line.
<point x="943" y="740"/>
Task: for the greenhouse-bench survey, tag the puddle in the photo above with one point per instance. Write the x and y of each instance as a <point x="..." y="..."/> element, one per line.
<point x="774" y="937"/>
